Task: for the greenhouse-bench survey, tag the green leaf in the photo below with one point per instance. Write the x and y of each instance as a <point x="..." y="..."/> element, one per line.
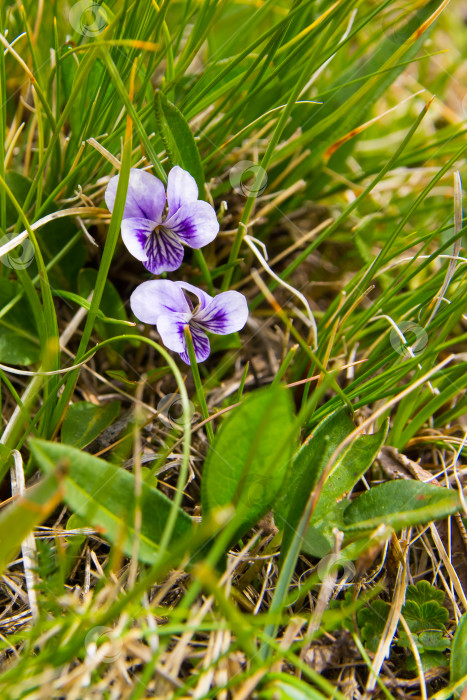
<point x="400" y="504"/>
<point x="430" y="659"/>
<point x="248" y="459"/>
<point x="459" y="654"/>
<point x="306" y="469"/>
<point x="318" y="538"/>
<point x="19" y="518"/>
<point x="18" y="342"/>
<point x="424" y="592"/>
<point x="85" y="421"/>
<point x="429" y="640"/>
<point x="433" y="640"/>
<point x="427" y="616"/>
<point x="351" y="464"/>
<point x="340" y="612"/>
<point x="349" y="468"/>
<point x="52" y="239"/>
<point x="20" y="186"/>
<point x="103" y="496"/>
<point x="111" y="306"/>
<point x="221" y="343"/>
<point x="177" y="138"/>
<point x="15" y="350"/>
<point x="372" y="621"/>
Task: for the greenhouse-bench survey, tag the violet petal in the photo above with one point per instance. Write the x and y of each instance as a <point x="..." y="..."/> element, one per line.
<point x="200" y="343"/>
<point x="181" y="189"/>
<point x="194" y="223"/>
<point x="171" y="328"/>
<point x="164" y="252"/>
<point x="204" y="298"/>
<point x="145" y="196"/>
<point x="155" y="298"/>
<point x="135" y="233"/>
<point x="226" y="313"/>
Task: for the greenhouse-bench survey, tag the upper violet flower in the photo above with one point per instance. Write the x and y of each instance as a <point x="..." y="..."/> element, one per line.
<point x="164" y="304"/>
<point x="150" y="236"/>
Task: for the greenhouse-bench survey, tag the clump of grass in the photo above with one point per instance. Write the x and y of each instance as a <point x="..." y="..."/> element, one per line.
<point x="287" y="518"/>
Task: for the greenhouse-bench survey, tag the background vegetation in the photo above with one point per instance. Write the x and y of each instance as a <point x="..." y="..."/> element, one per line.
<point x="218" y="534"/>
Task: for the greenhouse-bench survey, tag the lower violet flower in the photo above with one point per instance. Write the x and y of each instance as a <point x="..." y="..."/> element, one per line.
<point x="152" y="237"/>
<point x="164" y="303"/>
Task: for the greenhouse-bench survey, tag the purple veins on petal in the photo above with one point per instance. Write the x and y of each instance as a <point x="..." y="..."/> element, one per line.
<point x="166" y="305"/>
<point x="201" y="346"/>
<point x="154" y="240"/>
<point x="135" y="233"/>
<point x="226" y="313"/>
<point x="171" y="329"/>
<point x="194" y="223"/>
<point x="164" y="252"/>
<point x="158" y="249"/>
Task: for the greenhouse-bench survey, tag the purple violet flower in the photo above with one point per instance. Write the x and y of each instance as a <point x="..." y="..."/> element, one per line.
<point x="149" y="236"/>
<point x="163" y="303"/>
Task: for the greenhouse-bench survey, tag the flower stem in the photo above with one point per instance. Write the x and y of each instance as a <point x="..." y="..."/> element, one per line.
<point x="197" y="381"/>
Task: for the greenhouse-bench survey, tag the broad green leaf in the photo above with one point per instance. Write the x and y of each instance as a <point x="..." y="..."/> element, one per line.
<point x="351" y="464"/>
<point x="52" y="239"/>
<point x="85" y="421"/>
<point x="18" y="342"/>
<point x="429" y="658"/>
<point x="74" y="522"/>
<point x="111" y="306"/>
<point x="372" y="621"/>
<point x="459" y="654"/>
<point x="103" y="496"/>
<point x="423" y="592"/>
<point x="427" y="616"/>
<point x="19" y="518"/>
<point x="178" y="140"/>
<point x="15" y="350"/>
<point x="400" y="504"/>
<point x="432" y="646"/>
<point x="306" y="469"/>
<point x="19" y="185"/>
<point x="433" y="640"/>
<point x="349" y="468"/>
<point x="318" y="540"/>
<point x="248" y="459"/>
